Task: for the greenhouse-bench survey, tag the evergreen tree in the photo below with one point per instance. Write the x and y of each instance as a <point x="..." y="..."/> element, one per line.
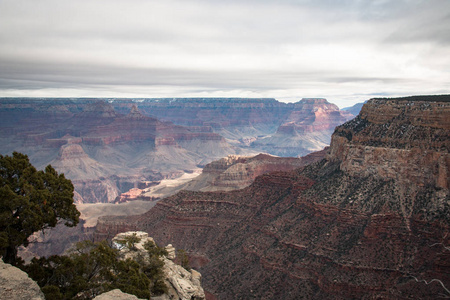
<point x="90" y="269"/>
<point x="30" y="201"/>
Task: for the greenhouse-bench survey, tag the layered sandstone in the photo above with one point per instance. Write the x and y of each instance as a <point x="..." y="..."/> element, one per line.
<point x="104" y="153"/>
<point x="230" y="173"/>
<point x="236" y="172"/>
<point x="369" y="221"/>
<point x="307" y="128"/>
<point x="402" y="139"/>
<point x="263" y="125"/>
<point x="108" y="146"/>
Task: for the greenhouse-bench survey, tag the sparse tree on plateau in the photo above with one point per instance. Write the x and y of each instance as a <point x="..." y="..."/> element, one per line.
<point x="30" y="201"/>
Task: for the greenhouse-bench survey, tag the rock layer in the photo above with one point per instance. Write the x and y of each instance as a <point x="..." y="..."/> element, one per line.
<point x="108" y="146"/>
<point x="103" y="152"/>
<point x="369" y="221"/>
<point x="263" y="125"/>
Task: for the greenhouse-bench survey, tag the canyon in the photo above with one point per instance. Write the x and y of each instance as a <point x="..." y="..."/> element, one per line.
<point x="369" y="219"/>
<point x="108" y="147"/>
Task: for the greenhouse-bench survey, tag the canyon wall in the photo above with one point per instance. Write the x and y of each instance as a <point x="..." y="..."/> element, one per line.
<point x="109" y="146"/>
<point x="263" y="125"/>
<point x="103" y="152"/>
<point x="371" y="220"/>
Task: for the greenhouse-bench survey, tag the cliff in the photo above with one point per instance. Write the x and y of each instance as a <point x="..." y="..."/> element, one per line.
<point x="262" y="125"/>
<point x="104" y="153"/>
<point x="368" y="221"/>
<point x="226" y="174"/>
<point x="109" y="146"/>
<point x="307" y="128"/>
<point x="234" y="172"/>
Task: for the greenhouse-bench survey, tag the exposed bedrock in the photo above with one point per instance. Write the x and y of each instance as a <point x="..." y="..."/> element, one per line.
<point x="371" y="220"/>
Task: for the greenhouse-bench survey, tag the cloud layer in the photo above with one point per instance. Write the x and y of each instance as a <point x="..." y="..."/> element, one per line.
<point x="346" y="51"/>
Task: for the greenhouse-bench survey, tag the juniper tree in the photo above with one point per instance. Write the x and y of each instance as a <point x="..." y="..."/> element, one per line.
<point x="31" y="201"/>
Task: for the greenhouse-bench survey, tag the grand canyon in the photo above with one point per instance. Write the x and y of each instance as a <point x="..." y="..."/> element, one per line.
<point x="369" y="220"/>
<point x="109" y="146"/>
<point x="279" y="200"/>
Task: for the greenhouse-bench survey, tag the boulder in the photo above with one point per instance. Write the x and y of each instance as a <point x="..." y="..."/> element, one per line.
<point x="116" y="295"/>
<point x="16" y="285"/>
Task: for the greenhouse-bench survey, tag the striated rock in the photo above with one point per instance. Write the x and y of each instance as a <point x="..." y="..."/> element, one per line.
<point x="389" y="135"/>
<point x="307" y="128"/>
<point x="370" y="221"/>
<point x="264" y="125"/>
<point x="93" y="140"/>
<point x="236" y="172"/>
<point x="103" y="152"/>
<point x="16" y="285"/>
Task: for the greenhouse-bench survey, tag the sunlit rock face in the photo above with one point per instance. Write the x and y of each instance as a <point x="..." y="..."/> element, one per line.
<point x="371" y="220"/>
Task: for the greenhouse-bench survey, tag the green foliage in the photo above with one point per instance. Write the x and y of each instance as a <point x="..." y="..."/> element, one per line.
<point x="131" y="279"/>
<point x="183" y="259"/>
<point x="52" y="292"/>
<point x="129" y="241"/>
<point x="30" y="201"/>
<point x="153" y="250"/>
<point x="93" y="268"/>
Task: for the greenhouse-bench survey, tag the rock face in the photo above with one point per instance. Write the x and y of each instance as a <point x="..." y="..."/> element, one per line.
<point x="263" y="125"/>
<point x="307" y="128"/>
<point x="230" y="173"/>
<point x="237" y="172"/>
<point x="103" y="152"/>
<point x="371" y="220"/>
<point x="182" y="284"/>
<point x="109" y="146"/>
<point x="16" y="285"/>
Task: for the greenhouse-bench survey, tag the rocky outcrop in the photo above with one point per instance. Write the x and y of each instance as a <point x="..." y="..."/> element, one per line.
<point x="182" y="284"/>
<point x="399" y="139"/>
<point x="237" y="172"/>
<point x="368" y="221"/>
<point x="116" y="295"/>
<point x="16" y="285"/>
<point x="230" y="173"/>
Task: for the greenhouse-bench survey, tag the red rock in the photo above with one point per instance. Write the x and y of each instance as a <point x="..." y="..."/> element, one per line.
<point x="368" y="222"/>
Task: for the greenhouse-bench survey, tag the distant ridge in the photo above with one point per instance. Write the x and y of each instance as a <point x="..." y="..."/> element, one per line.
<point x="433" y="98"/>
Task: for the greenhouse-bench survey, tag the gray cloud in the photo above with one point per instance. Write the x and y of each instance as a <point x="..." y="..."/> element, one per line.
<point x="284" y="49"/>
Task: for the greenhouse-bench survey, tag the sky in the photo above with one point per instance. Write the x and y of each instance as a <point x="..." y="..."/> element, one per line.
<point x="345" y="51"/>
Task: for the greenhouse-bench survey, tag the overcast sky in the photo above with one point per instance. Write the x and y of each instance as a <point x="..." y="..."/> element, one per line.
<point x="345" y="51"/>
